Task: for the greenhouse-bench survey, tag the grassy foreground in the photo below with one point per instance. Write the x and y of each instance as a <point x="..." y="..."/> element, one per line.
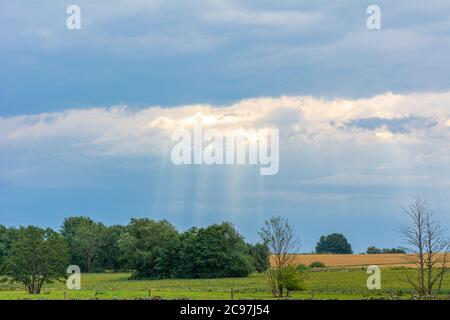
<point x="327" y="284"/>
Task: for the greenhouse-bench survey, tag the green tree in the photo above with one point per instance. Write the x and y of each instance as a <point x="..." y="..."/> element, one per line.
<point x="69" y="230"/>
<point x="38" y="256"/>
<point x="216" y="251"/>
<point x="261" y="256"/>
<point x="141" y="245"/>
<point x="283" y="244"/>
<point x="84" y="238"/>
<point x="334" y="243"/>
<point x="373" y="250"/>
<point x="168" y="259"/>
<point x="109" y="256"/>
<point x="393" y="250"/>
<point x="7" y="238"/>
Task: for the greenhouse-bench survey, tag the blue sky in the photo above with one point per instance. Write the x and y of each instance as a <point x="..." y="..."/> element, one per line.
<point x="364" y="116"/>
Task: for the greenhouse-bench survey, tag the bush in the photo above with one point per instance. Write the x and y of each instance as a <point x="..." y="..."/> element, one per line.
<point x="142" y="244"/>
<point x="291" y="279"/>
<point x="317" y="264"/>
<point x="302" y="268"/>
<point x="216" y="251"/>
<point x="239" y="265"/>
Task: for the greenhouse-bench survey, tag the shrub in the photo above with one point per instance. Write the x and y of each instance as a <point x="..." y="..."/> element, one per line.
<point x="317" y="264"/>
<point x="291" y="279"/>
<point x="214" y="252"/>
<point x="302" y="268"/>
<point x="142" y="243"/>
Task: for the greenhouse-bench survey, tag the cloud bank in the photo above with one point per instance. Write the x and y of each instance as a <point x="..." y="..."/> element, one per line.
<point x="391" y="119"/>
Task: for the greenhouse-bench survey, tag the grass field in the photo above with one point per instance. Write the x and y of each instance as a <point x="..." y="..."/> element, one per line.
<point x="325" y="284"/>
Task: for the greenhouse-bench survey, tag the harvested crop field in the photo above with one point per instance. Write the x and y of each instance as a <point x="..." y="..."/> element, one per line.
<point x="355" y="260"/>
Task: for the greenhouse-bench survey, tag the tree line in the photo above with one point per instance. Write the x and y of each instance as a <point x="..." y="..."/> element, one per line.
<point x="148" y="248"/>
<point x="153" y="249"/>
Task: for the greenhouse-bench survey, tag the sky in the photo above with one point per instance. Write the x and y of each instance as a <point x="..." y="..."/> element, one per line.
<point x="86" y="115"/>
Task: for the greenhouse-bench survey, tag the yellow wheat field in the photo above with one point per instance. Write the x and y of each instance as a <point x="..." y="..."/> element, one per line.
<point x="355" y="260"/>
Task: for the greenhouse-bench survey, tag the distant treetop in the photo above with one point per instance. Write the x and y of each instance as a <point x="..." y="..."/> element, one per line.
<point x="334" y="243"/>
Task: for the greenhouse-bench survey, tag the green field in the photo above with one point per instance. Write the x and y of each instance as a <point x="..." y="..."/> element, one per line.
<point x="330" y="284"/>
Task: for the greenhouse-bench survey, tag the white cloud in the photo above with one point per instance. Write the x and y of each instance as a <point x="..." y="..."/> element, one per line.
<point x="224" y="12"/>
<point x="123" y="130"/>
<point x="382" y="141"/>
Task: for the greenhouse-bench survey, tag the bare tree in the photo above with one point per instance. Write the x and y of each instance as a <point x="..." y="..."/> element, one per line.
<point x="428" y="248"/>
<point x="282" y="243"/>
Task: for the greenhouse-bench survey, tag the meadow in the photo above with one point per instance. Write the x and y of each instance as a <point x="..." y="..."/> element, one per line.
<point x="328" y="283"/>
